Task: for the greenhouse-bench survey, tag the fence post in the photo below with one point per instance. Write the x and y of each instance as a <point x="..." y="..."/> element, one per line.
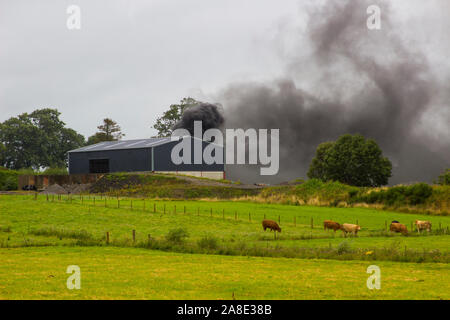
<point x="198" y="211"/>
<point x="134" y="236"/>
<point x="184" y="209"/>
<point x="118" y="203"/>
<point x="94" y="201"/>
<point x="175" y="209"/>
<point x="312" y="223"/>
<point x="279" y="219"/>
<point x="210" y="212"/>
<point x="412" y="228"/>
<point x="223" y="214"/>
<point x="249" y="217"/>
<point x="264" y="215"/>
<point x="235" y="215"/>
<point x="149" y="237"/>
<point x="164" y="208"/>
<point x="385" y="225"/>
<point x="154" y="208"/>
<point x="295" y="221"/>
<point x="144" y="203"/>
<point x="131" y="204"/>
<point x="35" y="196"/>
<point x="47" y="196"/>
<point x="105" y="203"/>
<point x="107" y="237"/>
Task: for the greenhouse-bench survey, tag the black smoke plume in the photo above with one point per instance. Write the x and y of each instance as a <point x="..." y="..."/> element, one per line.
<point x="346" y="79"/>
<point x="210" y="115"/>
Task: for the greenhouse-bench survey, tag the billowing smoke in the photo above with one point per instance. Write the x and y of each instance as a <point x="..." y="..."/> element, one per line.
<point x="347" y="79"/>
<point x="210" y="115"/>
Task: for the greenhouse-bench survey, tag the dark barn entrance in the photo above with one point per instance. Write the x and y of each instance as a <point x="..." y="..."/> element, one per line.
<point x="99" y="166"/>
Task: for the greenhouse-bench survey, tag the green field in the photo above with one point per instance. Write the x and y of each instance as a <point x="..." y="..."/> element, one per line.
<point x="64" y="225"/>
<point x="36" y="273"/>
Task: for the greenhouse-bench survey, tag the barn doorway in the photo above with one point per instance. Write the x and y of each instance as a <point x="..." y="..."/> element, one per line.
<point x="99" y="166"/>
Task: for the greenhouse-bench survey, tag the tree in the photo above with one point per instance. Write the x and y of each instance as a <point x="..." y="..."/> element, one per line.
<point x="165" y="123"/>
<point x="108" y="131"/>
<point x="352" y="160"/>
<point x="36" y="140"/>
<point x="444" y="178"/>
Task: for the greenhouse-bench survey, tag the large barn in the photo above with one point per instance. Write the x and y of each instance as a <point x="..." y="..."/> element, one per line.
<point x="144" y="155"/>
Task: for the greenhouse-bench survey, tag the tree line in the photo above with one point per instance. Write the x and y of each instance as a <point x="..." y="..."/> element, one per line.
<point x="40" y="139"/>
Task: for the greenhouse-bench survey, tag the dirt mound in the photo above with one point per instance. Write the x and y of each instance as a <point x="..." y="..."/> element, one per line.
<point x="55" y="189"/>
<point x="77" y="188"/>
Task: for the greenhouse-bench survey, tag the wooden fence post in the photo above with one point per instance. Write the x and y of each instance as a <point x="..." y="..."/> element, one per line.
<point x="144" y="203"/>
<point x="295" y="221"/>
<point x="210" y="212"/>
<point x="235" y="215"/>
<point x="184" y="209"/>
<point x="175" y="209"/>
<point x="35" y="196"/>
<point x="154" y="208"/>
<point x="164" y="208"/>
<point x="312" y="223"/>
<point x="131" y="204"/>
<point x="105" y="204"/>
<point x="134" y="236"/>
<point x="385" y="225"/>
<point x="279" y="219"/>
<point x="249" y="217"/>
<point x="118" y="203"/>
<point x="107" y="237"/>
<point x="223" y="214"/>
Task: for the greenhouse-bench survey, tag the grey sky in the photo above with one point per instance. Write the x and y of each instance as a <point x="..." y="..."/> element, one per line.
<point x="131" y="59"/>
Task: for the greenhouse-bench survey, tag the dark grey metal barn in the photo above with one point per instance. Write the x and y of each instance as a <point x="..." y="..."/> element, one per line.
<point x="137" y="156"/>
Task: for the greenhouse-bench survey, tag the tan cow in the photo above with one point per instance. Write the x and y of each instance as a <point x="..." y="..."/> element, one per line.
<point x="398" y="227"/>
<point x="423" y="225"/>
<point x="350" y="228"/>
<point x="328" y="224"/>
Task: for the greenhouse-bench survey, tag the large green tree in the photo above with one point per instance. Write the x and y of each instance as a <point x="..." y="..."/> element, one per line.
<point x="36" y="140"/>
<point x="165" y="123"/>
<point x="108" y="131"/>
<point x="353" y="160"/>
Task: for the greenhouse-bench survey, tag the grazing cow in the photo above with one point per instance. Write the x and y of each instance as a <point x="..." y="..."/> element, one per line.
<point x="350" y="228"/>
<point x="270" y="224"/>
<point x="328" y="224"/>
<point x="423" y="225"/>
<point x="398" y="227"/>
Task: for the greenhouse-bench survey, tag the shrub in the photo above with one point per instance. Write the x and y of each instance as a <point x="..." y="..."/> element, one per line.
<point x="208" y="242"/>
<point x="8" y="179"/>
<point x="177" y="235"/>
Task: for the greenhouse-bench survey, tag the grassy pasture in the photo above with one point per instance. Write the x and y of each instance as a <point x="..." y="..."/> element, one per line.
<point x="129" y="273"/>
<point x="27" y="220"/>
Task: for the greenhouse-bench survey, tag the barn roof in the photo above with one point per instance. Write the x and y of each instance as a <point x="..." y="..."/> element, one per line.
<point x="124" y="144"/>
<point x="128" y="144"/>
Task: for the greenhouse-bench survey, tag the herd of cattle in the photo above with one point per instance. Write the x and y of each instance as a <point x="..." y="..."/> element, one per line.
<point x="395" y="226"/>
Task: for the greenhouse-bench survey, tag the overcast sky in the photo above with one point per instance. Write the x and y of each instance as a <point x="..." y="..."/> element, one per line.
<point x="132" y="59"/>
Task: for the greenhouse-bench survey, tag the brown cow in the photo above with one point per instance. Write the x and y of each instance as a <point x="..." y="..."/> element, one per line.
<point x="272" y="225"/>
<point x="423" y="225"/>
<point x="350" y="228"/>
<point x="328" y="224"/>
<point x="398" y="227"/>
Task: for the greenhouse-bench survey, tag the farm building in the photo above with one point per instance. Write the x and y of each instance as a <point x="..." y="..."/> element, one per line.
<point x="142" y="155"/>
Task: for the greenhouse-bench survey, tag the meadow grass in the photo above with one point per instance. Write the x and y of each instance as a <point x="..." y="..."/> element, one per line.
<point x="61" y="222"/>
<point x="126" y="273"/>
